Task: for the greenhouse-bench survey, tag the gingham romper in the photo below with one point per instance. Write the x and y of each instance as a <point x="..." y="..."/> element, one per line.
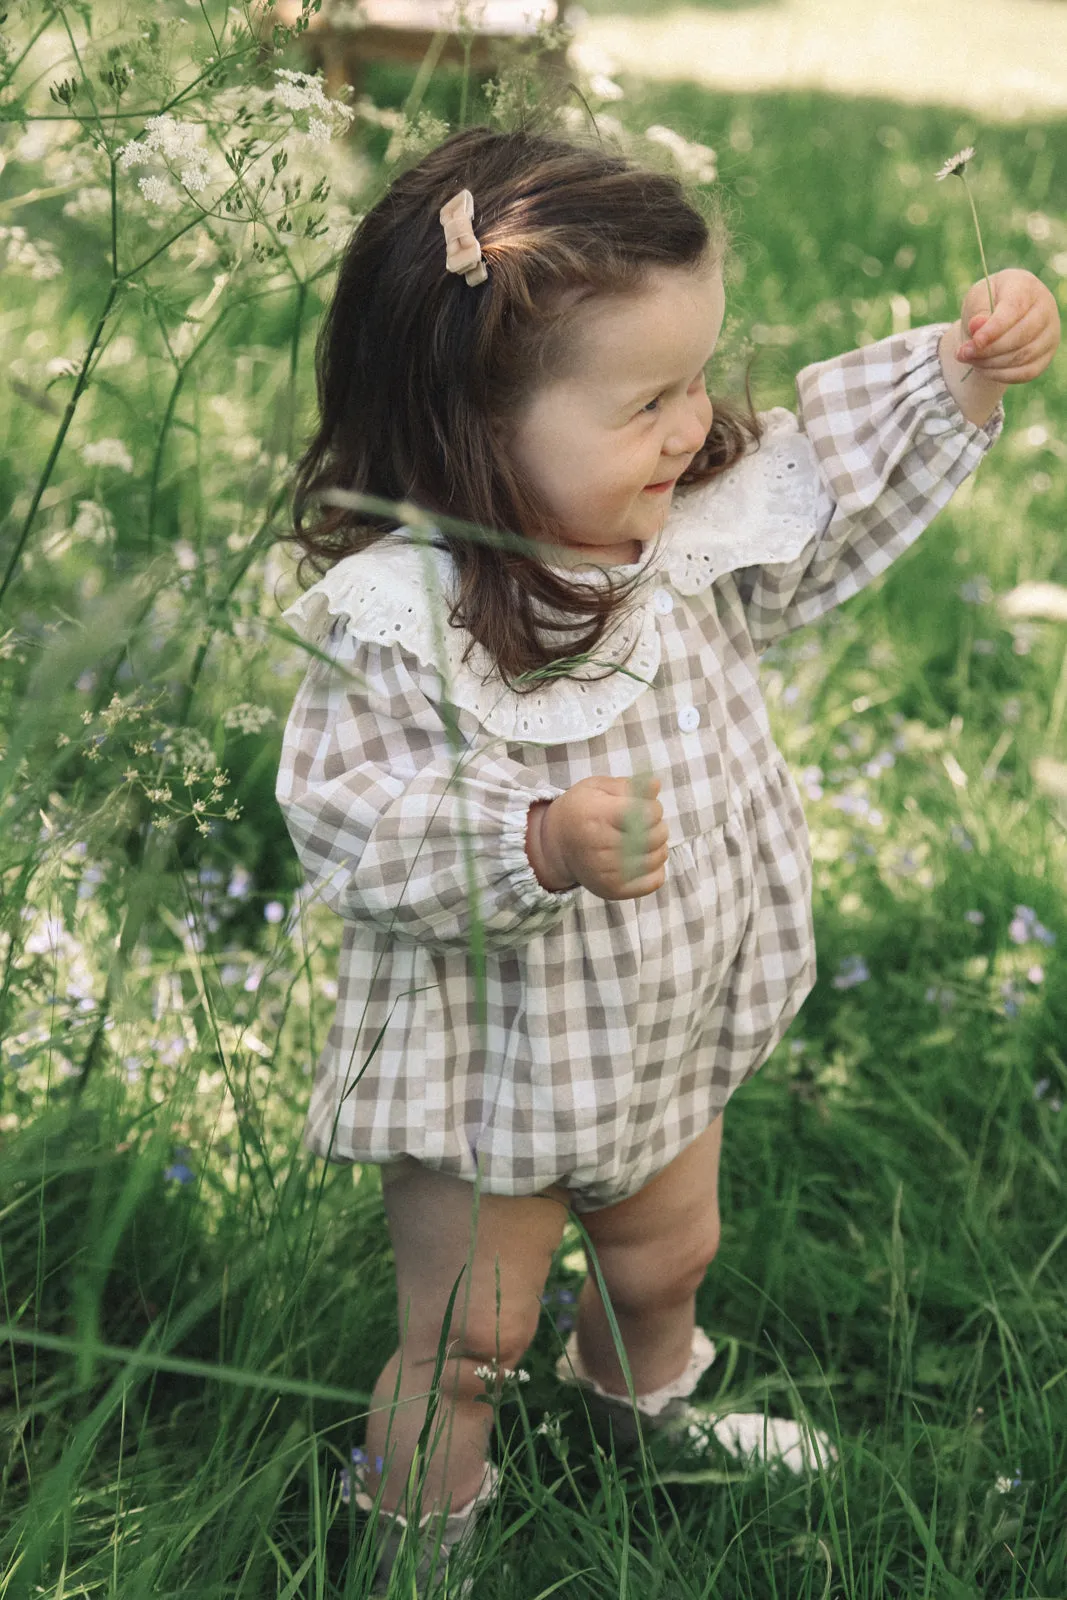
<point x="609" y="1033"/>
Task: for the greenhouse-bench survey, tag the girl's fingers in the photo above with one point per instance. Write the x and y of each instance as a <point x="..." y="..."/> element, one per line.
<point x="1017" y="360"/>
<point x="981" y="347"/>
<point x="1000" y="325"/>
<point x="1019" y="367"/>
<point x="1017" y="340"/>
<point x="995" y="323"/>
<point x="1028" y="315"/>
<point x="1008" y="360"/>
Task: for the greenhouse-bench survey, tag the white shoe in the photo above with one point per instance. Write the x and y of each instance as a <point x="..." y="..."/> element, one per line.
<point x="757" y="1439"/>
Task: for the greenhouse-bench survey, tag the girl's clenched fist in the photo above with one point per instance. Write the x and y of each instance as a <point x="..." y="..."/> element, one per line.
<point x="608" y="834"/>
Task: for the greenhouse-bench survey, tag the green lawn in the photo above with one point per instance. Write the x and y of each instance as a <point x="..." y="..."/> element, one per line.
<point x="197" y="1310"/>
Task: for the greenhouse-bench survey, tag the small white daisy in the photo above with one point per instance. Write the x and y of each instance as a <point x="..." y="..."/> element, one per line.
<point x="955" y="165"/>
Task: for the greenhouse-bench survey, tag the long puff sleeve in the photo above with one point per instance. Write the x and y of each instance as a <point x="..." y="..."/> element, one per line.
<point x="395" y="827"/>
<point x="891" y="447"/>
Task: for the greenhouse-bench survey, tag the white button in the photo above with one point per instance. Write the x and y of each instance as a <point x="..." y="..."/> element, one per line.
<point x="688" y="718"/>
<point x="663" y="600"/>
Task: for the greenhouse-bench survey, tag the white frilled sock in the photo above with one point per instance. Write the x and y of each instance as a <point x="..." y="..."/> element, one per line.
<point x="746" y="1434"/>
<point x="657" y="1407"/>
<point x="447" y="1532"/>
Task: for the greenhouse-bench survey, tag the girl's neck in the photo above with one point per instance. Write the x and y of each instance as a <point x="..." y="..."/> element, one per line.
<point x="575" y="555"/>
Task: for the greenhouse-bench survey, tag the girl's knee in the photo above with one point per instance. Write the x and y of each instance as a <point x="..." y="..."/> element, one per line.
<point x="662" y="1272"/>
<point x="483" y="1339"/>
<point x="497" y="1303"/>
<point x="502" y="1336"/>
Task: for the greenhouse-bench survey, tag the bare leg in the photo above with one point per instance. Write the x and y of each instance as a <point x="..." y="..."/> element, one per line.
<point x="654" y="1249"/>
<point x="657" y="1342"/>
<point x="430" y="1222"/>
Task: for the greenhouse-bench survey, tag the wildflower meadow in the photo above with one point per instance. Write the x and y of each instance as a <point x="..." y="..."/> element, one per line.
<point x="194" y="1309"/>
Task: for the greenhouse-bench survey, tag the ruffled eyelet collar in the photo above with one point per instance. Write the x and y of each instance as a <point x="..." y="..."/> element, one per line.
<point x="761" y="511"/>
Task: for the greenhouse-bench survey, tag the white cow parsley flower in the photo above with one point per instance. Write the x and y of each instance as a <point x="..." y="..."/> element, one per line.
<point x="92" y="524"/>
<point x="156" y="190"/>
<point x="247" y="718"/>
<point x="24" y="255"/>
<point x="179" y="145"/>
<point x="697" y="160"/>
<point x="108" y="453"/>
<point x="303" y="91"/>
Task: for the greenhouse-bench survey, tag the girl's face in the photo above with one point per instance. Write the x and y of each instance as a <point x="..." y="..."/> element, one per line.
<point x="606" y="444"/>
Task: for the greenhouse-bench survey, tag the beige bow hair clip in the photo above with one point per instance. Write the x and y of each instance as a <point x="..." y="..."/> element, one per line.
<point x="464" y="251"/>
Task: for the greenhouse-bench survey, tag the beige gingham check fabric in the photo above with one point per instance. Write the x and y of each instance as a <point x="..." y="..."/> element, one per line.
<point x="607" y="1035"/>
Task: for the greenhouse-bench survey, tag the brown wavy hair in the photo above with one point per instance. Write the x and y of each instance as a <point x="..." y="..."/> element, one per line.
<point x="421" y="377"/>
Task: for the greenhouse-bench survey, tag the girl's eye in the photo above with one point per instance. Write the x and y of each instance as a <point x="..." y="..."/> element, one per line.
<point x="652" y="405"/>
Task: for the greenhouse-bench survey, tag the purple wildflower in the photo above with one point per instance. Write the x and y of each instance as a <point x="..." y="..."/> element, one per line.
<point x="851" y="971"/>
<point x="556" y="1303"/>
<point x="360" y="1459"/>
<point x="90" y="878"/>
<point x="1025" y="927"/>
<point x="851" y="804"/>
<point x="273" y="911"/>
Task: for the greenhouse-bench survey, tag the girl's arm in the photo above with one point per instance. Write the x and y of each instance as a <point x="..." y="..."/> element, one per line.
<point x="895" y="429"/>
<point x="392" y="825"/>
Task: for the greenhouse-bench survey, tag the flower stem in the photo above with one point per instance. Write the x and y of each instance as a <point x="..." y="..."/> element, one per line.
<point x="57" y="443"/>
<point x="981" y="247"/>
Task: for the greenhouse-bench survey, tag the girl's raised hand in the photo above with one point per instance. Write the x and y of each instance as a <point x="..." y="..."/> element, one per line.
<point x="1016" y="342"/>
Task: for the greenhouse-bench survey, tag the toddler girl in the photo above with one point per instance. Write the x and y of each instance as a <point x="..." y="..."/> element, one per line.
<point x="542" y="1008"/>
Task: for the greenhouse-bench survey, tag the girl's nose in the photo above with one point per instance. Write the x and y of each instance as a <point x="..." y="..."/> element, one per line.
<point x="690" y="428"/>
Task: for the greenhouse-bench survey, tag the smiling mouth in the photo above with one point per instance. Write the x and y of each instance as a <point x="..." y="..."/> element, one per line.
<point x="659" y="488"/>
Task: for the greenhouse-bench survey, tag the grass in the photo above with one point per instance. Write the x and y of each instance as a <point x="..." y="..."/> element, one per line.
<point x="195" y="1310"/>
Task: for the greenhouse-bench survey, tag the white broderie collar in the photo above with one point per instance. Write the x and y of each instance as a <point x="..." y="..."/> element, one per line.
<point x="762" y="510"/>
